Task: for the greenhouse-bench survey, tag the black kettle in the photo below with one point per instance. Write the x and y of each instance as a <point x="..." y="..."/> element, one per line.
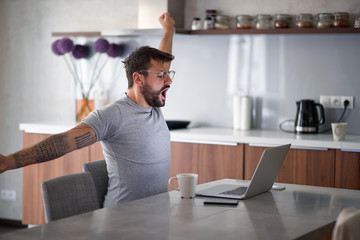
<point x="309" y="116"/>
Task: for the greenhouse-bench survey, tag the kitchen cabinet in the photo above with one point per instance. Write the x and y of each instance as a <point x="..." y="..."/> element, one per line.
<point x="34" y="175"/>
<point x="301" y="166"/>
<point x="211" y="162"/>
<point x="347" y="170"/>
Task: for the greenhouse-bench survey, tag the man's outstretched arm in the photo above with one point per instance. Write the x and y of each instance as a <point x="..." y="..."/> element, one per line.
<point x="168" y="24"/>
<point x="50" y="148"/>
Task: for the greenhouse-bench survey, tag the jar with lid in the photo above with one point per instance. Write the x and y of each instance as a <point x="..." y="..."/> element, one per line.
<point x="282" y="21"/>
<point x="325" y="20"/>
<point x="222" y="22"/>
<point x="208" y="23"/>
<point x="304" y="20"/>
<point x="196" y="23"/>
<point x="357" y="22"/>
<point x="263" y="21"/>
<point x="341" y="19"/>
<point x="243" y="22"/>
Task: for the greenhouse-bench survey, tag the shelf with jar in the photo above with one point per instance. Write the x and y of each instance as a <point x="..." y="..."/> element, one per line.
<point x="348" y="30"/>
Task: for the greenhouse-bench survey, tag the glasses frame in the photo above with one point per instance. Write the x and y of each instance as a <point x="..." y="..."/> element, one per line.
<point x="164" y="74"/>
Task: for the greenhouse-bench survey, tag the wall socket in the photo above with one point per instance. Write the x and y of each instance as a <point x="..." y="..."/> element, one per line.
<point x="8" y="195"/>
<point x="336" y="101"/>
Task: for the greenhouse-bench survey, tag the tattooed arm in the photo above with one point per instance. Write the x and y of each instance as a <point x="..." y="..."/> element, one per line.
<point x="50" y="148"/>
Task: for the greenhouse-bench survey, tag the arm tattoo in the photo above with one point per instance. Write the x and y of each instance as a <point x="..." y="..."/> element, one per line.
<point x="48" y="149"/>
<point x="84" y="140"/>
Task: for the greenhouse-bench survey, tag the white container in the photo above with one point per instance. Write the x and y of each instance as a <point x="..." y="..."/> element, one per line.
<point x="242" y="111"/>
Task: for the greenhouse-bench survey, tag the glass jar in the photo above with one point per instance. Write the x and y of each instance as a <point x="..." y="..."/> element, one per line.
<point x="341" y="19"/>
<point x="263" y="21"/>
<point x="208" y="23"/>
<point x="222" y="22"/>
<point x="196" y="23"/>
<point x="325" y="20"/>
<point x="243" y="22"/>
<point x="357" y="22"/>
<point x="282" y="21"/>
<point x="304" y="20"/>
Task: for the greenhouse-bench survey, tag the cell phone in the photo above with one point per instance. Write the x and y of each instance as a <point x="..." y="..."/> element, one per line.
<point x="221" y="201"/>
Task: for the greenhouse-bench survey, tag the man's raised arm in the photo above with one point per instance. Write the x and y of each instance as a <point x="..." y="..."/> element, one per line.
<point x="168" y="24"/>
<point x="50" y="148"/>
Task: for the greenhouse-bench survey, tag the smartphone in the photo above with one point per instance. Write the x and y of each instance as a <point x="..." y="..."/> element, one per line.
<point x="221" y="201"/>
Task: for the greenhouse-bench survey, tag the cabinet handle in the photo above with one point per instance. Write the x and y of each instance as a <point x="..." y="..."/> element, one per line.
<point x="309" y="148"/>
<point x="205" y="142"/>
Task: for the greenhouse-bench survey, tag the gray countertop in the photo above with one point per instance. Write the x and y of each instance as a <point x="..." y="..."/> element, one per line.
<point x="298" y="212"/>
<point x="228" y="136"/>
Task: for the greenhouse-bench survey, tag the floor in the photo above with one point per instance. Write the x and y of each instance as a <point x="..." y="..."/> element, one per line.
<point x="10" y="227"/>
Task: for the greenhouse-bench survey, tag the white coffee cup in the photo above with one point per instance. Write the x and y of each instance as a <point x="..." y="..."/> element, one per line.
<point x="186" y="184"/>
<point x="339" y="131"/>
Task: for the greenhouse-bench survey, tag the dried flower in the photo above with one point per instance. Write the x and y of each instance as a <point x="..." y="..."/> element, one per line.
<point x="80" y="51"/>
<point x="55" y="48"/>
<point x="101" y="45"/>
<point x="115" y="50"/>
<point x="65" y="45"/>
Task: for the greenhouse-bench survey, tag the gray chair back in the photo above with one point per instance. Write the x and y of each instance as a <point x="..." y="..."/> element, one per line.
<point x="100" y="176"/>
<point x="68" y="195"/>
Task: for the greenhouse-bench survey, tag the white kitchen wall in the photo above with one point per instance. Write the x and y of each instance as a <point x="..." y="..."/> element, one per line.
<point x="277" y="70"/>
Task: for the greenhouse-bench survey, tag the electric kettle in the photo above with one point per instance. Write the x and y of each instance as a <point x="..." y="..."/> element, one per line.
<point x="309" y="116"/>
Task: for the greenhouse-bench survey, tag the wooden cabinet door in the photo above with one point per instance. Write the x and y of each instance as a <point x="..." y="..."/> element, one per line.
<point x="211" y="162"/>
<point x="301" y="166"/>
<point x="347" y="170"/>
<point x="34" y="175"/>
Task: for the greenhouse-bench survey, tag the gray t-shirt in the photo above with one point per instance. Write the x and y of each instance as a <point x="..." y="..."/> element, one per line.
<point x="136" y="145"/>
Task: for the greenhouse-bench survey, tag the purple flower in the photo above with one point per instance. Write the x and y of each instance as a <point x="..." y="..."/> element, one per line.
<point x="115" y="50"/>
<point x="55" y="49"/>
<point x="80" y="51"/>
<point x="101" y="45"/>
<point x="65" y="45"/>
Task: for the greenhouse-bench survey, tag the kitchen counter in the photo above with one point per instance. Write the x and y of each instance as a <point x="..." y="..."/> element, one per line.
<point x="228" y="136"/>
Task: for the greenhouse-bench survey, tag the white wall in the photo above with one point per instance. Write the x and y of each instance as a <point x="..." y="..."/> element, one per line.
<point x="35" y="85"/>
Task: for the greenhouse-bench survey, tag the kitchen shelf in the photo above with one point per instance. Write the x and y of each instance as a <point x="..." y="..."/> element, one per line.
<point x="270" y="31"/>
<point x="232" y="32"/>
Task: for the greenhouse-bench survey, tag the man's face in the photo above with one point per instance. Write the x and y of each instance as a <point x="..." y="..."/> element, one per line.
<point x="156" y="85"/>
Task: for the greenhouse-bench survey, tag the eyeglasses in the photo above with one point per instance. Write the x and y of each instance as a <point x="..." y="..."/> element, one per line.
<point x="163" y="74"/>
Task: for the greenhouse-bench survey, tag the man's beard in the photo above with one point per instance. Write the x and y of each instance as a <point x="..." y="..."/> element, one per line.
<point x="152" y="98"/>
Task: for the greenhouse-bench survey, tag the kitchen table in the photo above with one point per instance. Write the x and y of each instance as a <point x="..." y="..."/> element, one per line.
<point x="298" y="212"/>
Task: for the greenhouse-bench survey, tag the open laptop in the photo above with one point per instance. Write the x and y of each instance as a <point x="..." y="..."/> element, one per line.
<point x="262" y="180"/>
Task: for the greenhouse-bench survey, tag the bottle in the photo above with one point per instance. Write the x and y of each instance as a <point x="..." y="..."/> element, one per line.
<point x="208" y="23"/>
<point x="357" y="22"/>
<point x="243" y="22"/>
<point x="282" y="21"/>
<point x="325" y="20"/>
<point x="196" y="23"/>
<point x="304" y="20"/>
<point x="263" y="21"/>
<point x="341" y="19"/>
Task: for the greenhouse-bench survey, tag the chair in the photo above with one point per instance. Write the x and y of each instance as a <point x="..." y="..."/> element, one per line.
<point x="100" y="176"/>
<point x="69" y="195"/>
<point x="347" y="225"/>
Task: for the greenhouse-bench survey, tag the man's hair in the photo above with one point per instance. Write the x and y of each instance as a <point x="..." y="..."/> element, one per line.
<point x="140" y="59"/>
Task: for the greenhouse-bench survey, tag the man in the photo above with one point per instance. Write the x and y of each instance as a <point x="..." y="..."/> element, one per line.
<point x="133" y="133"/>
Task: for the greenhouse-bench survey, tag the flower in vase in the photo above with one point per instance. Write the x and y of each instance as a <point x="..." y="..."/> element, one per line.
<point x="73" y="53"/>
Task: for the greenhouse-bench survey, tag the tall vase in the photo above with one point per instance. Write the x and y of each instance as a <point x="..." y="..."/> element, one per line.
<point x="83" y="108"/>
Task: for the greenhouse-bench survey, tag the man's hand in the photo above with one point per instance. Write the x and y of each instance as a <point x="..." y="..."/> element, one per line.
<point x="168" y="24"/>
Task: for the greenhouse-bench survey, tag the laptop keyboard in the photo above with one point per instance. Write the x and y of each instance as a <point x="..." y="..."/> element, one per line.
<point x="237" y="191"/>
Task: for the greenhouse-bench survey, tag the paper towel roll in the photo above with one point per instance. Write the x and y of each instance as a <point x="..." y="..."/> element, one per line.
<point x="242" y="109"/>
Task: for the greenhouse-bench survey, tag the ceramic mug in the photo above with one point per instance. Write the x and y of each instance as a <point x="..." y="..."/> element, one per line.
<point x="339" y="131"/>
<point x="186" y="184"/>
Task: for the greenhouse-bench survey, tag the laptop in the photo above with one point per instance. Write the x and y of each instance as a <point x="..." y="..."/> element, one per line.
<point x="262" y="180"/>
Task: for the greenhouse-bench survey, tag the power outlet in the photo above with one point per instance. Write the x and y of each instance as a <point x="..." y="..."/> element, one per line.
<point x="8" y="195"/>
<point x="336" y="101"/>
